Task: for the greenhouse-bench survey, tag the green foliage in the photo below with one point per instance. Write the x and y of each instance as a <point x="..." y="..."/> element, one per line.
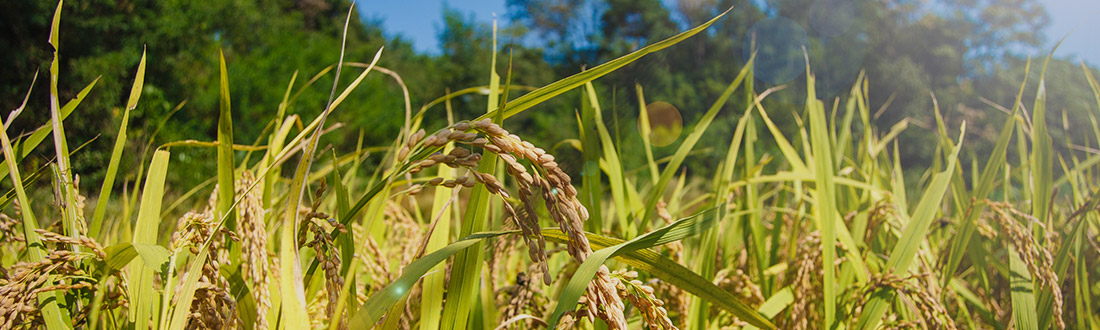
<point x="809" y="225"/>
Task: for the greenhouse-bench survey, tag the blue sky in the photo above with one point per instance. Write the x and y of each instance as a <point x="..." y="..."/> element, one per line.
<point x="1065" y="16"/>
<point x="420" y="21"/>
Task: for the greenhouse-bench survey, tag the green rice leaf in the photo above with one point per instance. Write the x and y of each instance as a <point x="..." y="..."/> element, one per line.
<point x="673" y="273"/>
<point x="673" y="232"/>
<point x="27" y="145"/>
<point x="465" y="280"/>
<point x="591" y="190"/>
<point x="435" y="281"/>
<point x="688" y="144"/>
<point x="985" y="185"/>
<point x="916" y="228"/>
<point x="187" y="292"/>
<point x="346" y="243"/>
<point x="294" y="312"/>
<point x="785" y="147"/>
<point x="824" y="197"/>
<point x="116" y="153"/>
<point x="54" y="316"/>
<point x="63" y="184"/>
<point x="645" y="129"/>
<point x="1024" y="314"/>
<point x="777" y="303"/>
<point x="380" y="302"/>
<point x="120" y="255"/>
<point x="561" y="86"/>
<point x="613" y="168"/>
<point x="142" y="293"/>
<point x="225" y="150"/>
<point x="1042" y="179"/>
<point x="894" y="131"/>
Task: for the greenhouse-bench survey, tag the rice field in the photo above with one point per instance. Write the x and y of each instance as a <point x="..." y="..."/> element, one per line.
<point x="469" y="225"/>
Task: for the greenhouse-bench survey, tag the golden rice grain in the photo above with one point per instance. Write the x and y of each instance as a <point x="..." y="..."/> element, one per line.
<point x="255" y="267"/>
<point x="642" y="297"/>
<point x="87" y="242"/>
<point x="329" y="259"/>
<point x="806" y="284"/>
<point x="212" y="305"/>
<point x="933" y="313"/>
<point x="1037" y="258"/>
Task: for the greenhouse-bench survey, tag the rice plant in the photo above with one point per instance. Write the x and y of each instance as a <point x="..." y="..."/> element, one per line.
<point x="472" y="226"/>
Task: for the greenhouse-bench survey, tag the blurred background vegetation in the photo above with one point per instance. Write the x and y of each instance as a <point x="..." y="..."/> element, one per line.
<point x="970" y="54"/>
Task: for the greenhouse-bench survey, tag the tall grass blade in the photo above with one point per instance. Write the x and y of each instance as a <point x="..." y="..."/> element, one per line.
<point x="380" y="302"/>
<point x="71" y="215"/>
<point x="24" y="147"/>
<point x="653" y="263"/>
<point x="591" y="191"/>
<point x="699" y="308"/>
<point x="845" y="138"/>
<point x="294" y="312"/>
<point x="142" y="294"/>
<point x="785" y="147"/>
<point x="225" y="151"/>
<point x="777" y="303"/>
<point x="187" y="292"/>
<point x="1024" y="314"/>
<point x="675" y="231"/>
<point x="121" y="255"/>
<point x="1042" y="176"/>
<point x="569" y="83"/>
<point x="466" y="267"/>
<point x="116" y="153"/>
<point x="614" y="167"/>
<point x="645" y="130"/>
<point x="688" y="144"/>
<point x="726" y="178"/>
<point x="985" y="186"/>
<point x="824" y="196"/>
<point x="890" y="136"/>
<point x="274" y="149"/>
<point x="916" y="228"/>
<point x="52" y="314"/>
<point x="345" y="243"/>
<point x="434" y="283"/>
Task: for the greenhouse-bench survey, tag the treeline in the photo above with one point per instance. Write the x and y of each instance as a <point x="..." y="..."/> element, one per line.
<point x="970" y="55"/>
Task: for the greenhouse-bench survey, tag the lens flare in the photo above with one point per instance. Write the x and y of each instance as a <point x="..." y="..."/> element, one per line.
<point x="778" y="43"/>
<point x="665" y="123"/>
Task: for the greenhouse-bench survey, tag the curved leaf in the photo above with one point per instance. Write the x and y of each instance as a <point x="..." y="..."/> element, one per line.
<point x="116" y="152"/>
<point x="380" y="302"/>
<point x="120" y="255"/>
<point x="569" y="83"/>
<point x="675" y="274"/>
<point x="657" y="265"/>
<point x="916" y="228"/>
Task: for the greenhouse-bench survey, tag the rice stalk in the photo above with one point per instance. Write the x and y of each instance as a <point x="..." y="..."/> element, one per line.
<point x="255" y="267"/>
<point x="806" y="285"/>
<point x="8" y="231"/>
<point x="212" y="306"/>
<point x="742" y="284"/>
<point x="84" y="241"/>
<point x="19" y="288"/>
<point x="558" y="194"/>
<point x="1038" y="259"/>
<point x="934" y="314"/>
<point x="641" y="297"/>
<point x="329" y="257"/>
<point x="524" y="295"/>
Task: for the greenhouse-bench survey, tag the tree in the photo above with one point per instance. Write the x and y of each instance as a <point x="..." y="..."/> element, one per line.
<point x="264" y="43"/>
